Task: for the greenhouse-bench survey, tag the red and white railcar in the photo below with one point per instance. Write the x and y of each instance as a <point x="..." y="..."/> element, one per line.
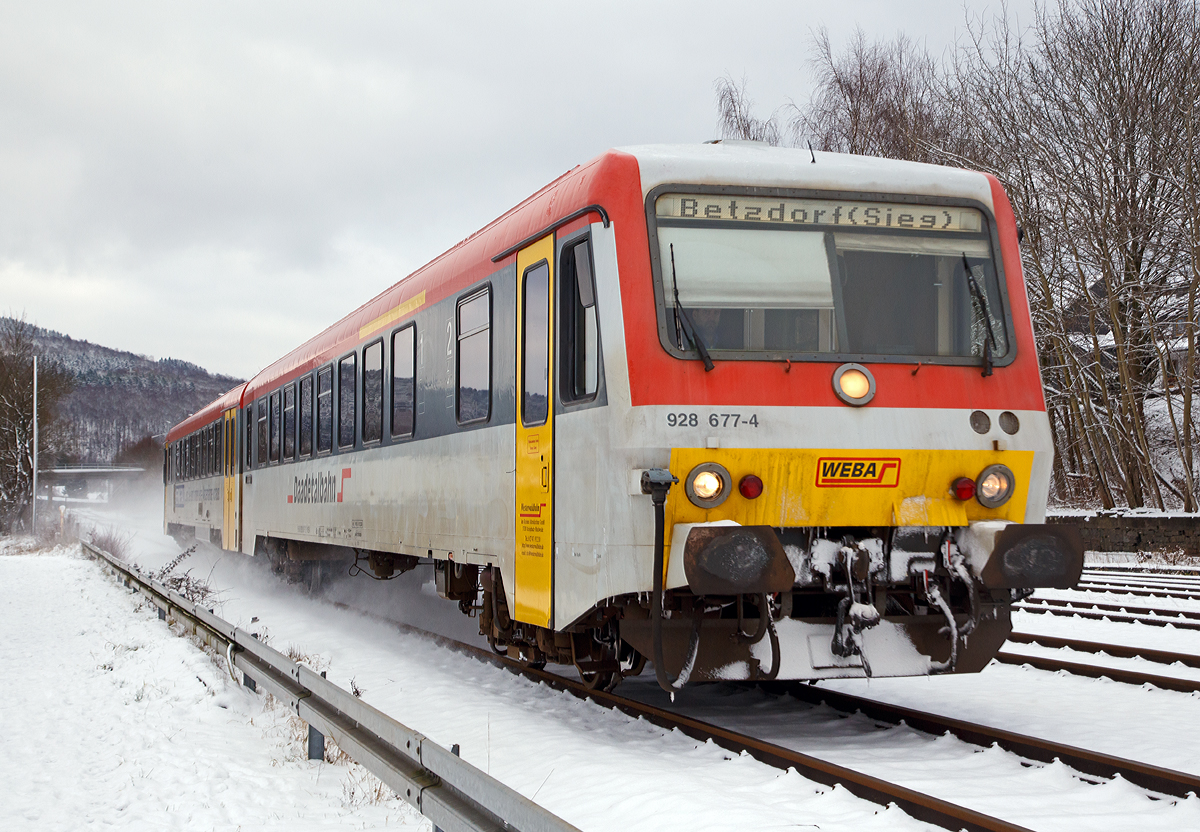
<point x="753" y="412"/>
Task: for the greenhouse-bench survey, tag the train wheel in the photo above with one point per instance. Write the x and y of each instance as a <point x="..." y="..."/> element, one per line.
<point x="631" y="661"/>
<point x="602" y="680"/>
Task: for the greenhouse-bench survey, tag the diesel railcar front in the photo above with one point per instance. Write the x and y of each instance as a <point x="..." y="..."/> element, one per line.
<point x="745" y="413"/>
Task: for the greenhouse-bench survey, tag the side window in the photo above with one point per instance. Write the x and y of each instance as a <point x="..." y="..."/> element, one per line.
<point x="474" y="357"/>
<point x="219" y="451"/>
<point x="275" y="425"/>
<point x="579" y="357"/>
<point x="289" y="421"/>
<point x="325" y="409"/>
<point x="372" y="395"/>
<point x="249" y="436"/>
<point x="262" y="431"/>
<point x="306" y="415"/>
<point x="346" y="381"/>
<point x="404" y="378"/>
<point x="535" y="375"/>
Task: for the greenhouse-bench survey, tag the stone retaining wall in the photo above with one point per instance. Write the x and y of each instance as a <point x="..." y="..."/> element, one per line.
<point x="1133" y="533"/>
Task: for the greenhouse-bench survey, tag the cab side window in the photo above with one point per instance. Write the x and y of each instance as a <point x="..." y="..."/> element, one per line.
<point x="579" y="334"/>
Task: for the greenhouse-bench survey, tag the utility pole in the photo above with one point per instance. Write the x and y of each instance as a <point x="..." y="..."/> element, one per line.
<point x="33" y="508"/>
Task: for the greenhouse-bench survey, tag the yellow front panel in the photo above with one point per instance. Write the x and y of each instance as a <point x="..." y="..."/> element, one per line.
<point x="535" y="468"/>
<point x="836" y="487"/>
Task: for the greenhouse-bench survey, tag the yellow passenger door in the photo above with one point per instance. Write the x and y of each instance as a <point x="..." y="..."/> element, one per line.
<point x="229" y="462"/>
<point x="535" y="434"/>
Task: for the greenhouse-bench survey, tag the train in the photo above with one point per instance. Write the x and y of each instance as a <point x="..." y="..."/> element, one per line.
<point x="735" y="411"/>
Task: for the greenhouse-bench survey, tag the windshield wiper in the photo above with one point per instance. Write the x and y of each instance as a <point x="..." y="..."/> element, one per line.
<point x="989" y="344"/>
<point x="681" y="317"/>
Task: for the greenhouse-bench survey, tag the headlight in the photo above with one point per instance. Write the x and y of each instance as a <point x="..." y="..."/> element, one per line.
<point x="708" y="485"/>
<point x="854" y="384"/>
<point x="994" y="486"/>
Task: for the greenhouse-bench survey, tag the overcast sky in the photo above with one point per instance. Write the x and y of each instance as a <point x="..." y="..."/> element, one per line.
<point x="219" y="181"/>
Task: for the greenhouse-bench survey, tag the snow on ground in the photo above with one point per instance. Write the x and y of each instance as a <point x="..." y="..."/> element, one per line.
<point x="600" y="769"/>
<point x="110" y="720"/>
<point x="596" y="768"/>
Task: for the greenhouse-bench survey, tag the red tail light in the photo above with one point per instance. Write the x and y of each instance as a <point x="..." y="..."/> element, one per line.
<point x="963" y="488"/>
<point x="751" y="486"/>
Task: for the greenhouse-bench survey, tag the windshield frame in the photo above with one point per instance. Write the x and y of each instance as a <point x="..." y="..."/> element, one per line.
<point x="664" y="302"/>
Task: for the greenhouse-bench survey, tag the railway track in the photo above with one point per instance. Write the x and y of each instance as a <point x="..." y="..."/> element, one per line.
<point x="450" y="791"/>
<point x="1156" y="617"/>
<point x="1139" y="590"/>
<point x="1139" y="583"/>
<point x="1144" y="569"/>
<point x="1090" y="764"/>
<point x="919" y="805"/>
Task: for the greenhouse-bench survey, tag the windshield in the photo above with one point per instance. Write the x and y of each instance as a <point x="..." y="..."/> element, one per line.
<point x="787" y="277"/>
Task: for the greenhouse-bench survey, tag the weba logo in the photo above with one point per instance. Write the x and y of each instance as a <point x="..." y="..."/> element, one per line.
<point x="858" y="472"/>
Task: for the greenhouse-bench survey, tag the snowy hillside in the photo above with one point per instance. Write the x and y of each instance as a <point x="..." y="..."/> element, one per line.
<point x="121" y="397"/>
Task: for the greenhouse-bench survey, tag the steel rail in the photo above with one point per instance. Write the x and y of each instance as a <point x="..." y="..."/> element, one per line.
<point x="1097" y="615"/>
<point x="1165" y="581"/>
<point x="1091" y="763"/>
<point x="1160" y="574"/>
<point x="1120" y="651"/>
<point x="1139" y="590"/>
<point x="1095" y="763"/>
<point x="1129" y="677"/>
<point x="1128" y="609"/>
<point x="917" y="804"/>
<point x="1145" y="569"/>
<point x="451" y="792"/>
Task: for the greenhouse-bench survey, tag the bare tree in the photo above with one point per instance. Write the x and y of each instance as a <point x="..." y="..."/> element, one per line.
<point x="1079" y="117"/>
<point x="875" y="99"/>
<point x="16" y="419"/>
<point x="1089" y="119"/>
<point x="735" y="119"/>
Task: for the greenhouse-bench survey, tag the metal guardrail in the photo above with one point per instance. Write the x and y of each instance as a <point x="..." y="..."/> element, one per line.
<point x="451" y="792"/>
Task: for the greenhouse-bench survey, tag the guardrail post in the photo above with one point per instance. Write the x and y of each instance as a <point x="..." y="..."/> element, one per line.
<point x="249" y="682"/>
<point x="316" y="744"/>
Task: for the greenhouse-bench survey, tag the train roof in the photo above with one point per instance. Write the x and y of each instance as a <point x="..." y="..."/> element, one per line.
<point x="207" y="414"/>
<point x="733" y="163"/>
<point x="756" y="164"/>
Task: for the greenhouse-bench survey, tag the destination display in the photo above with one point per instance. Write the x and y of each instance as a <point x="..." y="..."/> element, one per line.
<point x="819" y="212"/>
